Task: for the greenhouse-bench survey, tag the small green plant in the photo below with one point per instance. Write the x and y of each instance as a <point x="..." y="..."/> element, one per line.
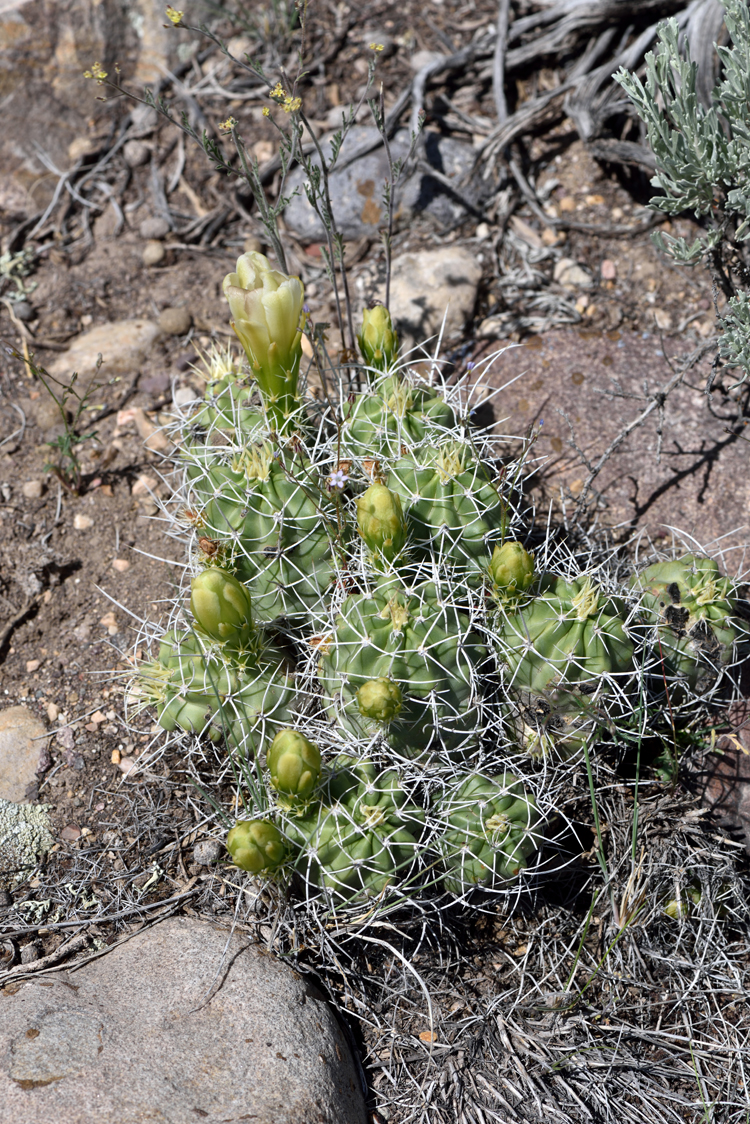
<point x="71" y="405"/>
<point x="703" y="164"/>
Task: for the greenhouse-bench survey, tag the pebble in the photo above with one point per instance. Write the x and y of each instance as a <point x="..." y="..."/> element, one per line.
<point x="31" y="952"/>
<point x="663" y="319"/>
<point x="121" y="565"/>
<point x="482" y="232"/>
<point x="154" y="227"/>
<point x="153" y="252"/>
<point x="52" y="711"/>
<point x="33" y="489"/>
<point x="175" y="321"/>
<point x="136" y="153"/>
<point x="143" y="486"/>
<point x="571" y="275"/>
<point x="185" y="394"/>
<point x="24" y="311"/>
<point x="82" y="522"/>
<point x="425" y="284"/>
<point x="109" y="621"/>
<point x="126" y="764"/>
<point x="71" y="833"/>
<point x="420" y="59"/>
<point x="608" y="270"/>
<point x="207" y="851"/>
<point x="122" y="344"/>
<point x="184" y="1021"/>
<point x="33" y="665"/>
<point x="22" y="738"/>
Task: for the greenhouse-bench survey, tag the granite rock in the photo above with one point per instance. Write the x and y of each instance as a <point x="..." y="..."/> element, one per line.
<point x="357" y="190"/>
<point x="184" y="1021"/>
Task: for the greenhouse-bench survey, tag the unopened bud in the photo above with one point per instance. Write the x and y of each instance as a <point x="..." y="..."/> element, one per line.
<point x="511" y="569"/>
<point x="294" y="764"/>
<point x="256" y="845"/>
<point x="221" y="605"/>
<point x="377" y="339"/>
<point x="381" y="522"/>
<point x="380" y="699"/>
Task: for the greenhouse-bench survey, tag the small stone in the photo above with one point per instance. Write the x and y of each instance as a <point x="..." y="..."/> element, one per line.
<point x="420" y="59"/>
<point x="52" y="711"/>
<point x="608" y="270"/>
<point x="154" y="228"/>
<point x="81" y="146"/>
<point x="571" y="275"/>
<point x="175" y="321"/>
<point x="121" y="565"/>
<point x="23" y="311"/>
<point x="143" y="486"/>
<point x="116" y="757"/>
<point x="663" y="319"/>
<point x="109" y="621"/>
<point x="82" y="522"/>
<point x="122" y="344"/>
<point x="594" y="200"/>
<point x="22" y="736"/>
<point x="482" y="232"/>
<point x="207" y="851"/>
<point x="71" y="833"/>
<point x="65" y="738"/>
<point x="136" y="153"/>
<point x="153" y="252"/>
<point x="33" y="489"/>
<point x="33" y="665"/>
<point x="567" y="203"/>
<point x="31" y="952"/>
<point x="551" y="237"/>
<point x="185" y="394"/>
<point x="126" y="765"/>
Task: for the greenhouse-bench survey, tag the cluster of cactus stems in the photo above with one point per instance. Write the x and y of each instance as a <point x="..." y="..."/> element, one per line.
<point x="392" y="674"/>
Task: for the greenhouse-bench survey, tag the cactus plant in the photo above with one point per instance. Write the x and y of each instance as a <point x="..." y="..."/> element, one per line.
<point x="454" y="510"/>
<point x="694" y="613"/>
<point x="417" y="641"/>
<point x="492" y="828"/>
<point x="362" y="836"/>
<point x="570" y="633"/>
<point x="392" y="415"/>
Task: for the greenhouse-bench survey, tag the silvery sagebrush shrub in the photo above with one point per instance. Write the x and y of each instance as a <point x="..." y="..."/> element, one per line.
<point x="703" y="164"/>
<point x="396" y="688"/>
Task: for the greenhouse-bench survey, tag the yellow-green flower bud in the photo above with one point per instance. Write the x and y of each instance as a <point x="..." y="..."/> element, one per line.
<point x="266" y="307"/>
<point x="256" y="845"/>
<point x="381" y="522"/>
<point x="380" y="699"/>
<point x="294" y="764"/>
<point x="511" y="570"/>
<point x="221" y="606"/>
<point x="377" y="338"/>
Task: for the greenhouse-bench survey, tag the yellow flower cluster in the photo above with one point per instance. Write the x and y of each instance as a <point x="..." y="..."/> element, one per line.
<point x="376" y="47"/>
<point x="285" y="100"/>
<point x="174" y="15"/>
<point x="229" y="124"/>
<point x="97" y="72"/>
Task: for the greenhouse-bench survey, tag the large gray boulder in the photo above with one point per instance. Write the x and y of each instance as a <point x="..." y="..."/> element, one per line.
<point x="180" y="1023"/>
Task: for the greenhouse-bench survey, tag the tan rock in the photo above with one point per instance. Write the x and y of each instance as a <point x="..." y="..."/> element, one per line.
<point x="123" y="345"/>
<point x="153" y="252"/>
<point x="22" y="739"/>
<point x="430" y="285"/>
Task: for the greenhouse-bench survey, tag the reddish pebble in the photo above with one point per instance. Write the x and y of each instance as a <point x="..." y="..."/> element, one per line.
<point x="608" y="270"/>
<point x="71" y="833"/>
